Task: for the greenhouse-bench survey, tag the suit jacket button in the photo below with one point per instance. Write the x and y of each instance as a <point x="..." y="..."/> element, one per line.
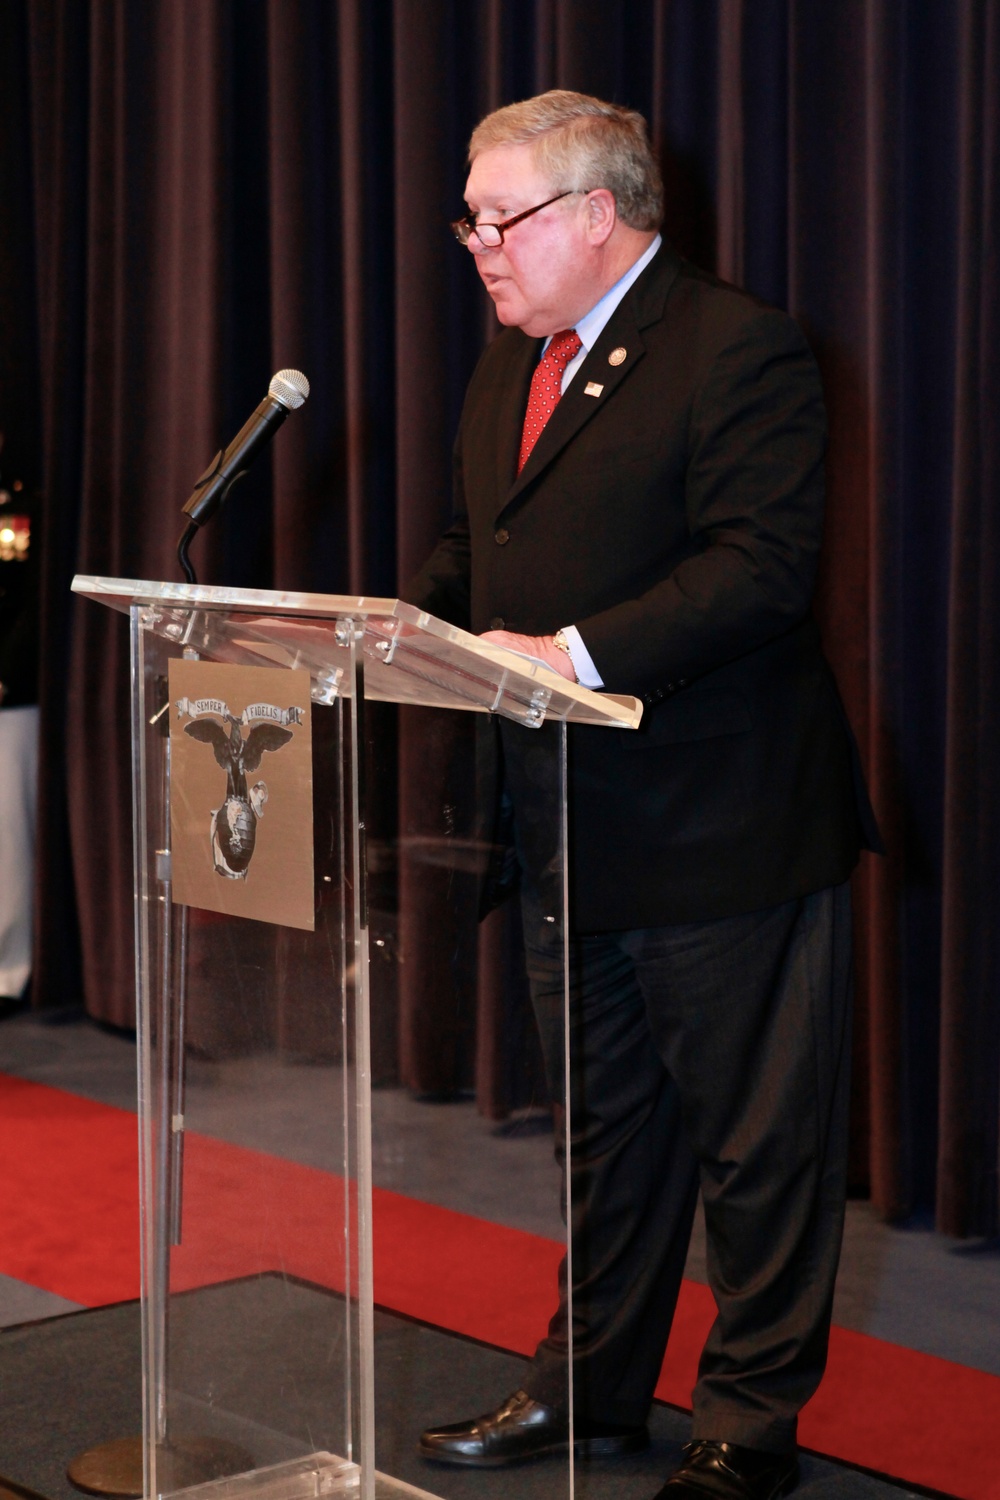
<point x="502" y="537"/>
<point x="498" y="623"/>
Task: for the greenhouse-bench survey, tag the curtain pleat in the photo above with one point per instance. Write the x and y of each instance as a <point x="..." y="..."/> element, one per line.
<point x="55" y="139"/>
<point x="967" y="1167"/>
<point x="212" y="189"/>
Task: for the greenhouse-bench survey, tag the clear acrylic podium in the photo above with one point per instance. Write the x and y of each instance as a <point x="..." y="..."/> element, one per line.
<point x="333" y="1257"/>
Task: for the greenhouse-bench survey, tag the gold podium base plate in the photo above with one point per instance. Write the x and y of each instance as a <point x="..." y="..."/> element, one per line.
<point x="115" y="1468"/>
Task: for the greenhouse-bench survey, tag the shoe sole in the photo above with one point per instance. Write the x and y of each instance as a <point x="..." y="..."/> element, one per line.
<point x="785" y="1487"/>
<point x="599" y="1447"/>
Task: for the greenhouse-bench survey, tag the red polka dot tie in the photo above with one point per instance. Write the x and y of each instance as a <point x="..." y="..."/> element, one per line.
<point x="545" y="388"/>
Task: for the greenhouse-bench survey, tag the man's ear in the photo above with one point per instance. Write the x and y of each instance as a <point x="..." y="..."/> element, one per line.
<point x="602" y="215"/>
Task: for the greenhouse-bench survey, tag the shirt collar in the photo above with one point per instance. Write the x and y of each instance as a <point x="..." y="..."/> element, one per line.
<point x="590" y="327"/>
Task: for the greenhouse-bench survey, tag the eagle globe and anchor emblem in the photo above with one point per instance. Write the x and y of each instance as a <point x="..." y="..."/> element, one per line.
<point x="239" y="742"/>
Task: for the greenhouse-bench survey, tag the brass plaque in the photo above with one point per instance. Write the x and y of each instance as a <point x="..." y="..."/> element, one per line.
<point x="241" y="804"/>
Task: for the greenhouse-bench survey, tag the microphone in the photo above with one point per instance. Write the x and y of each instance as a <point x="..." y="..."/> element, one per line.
<point x="288" y="390"/>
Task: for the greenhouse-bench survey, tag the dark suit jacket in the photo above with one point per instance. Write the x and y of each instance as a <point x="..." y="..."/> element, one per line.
<point x="675" y="519"/>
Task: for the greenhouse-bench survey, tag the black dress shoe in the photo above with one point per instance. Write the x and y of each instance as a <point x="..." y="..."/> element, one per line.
<point x="523" y="1428"/>
<point x="725" y="1471"/>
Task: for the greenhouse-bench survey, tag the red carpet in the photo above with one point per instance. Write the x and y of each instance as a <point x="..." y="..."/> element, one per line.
<point x="68" y="1189"/>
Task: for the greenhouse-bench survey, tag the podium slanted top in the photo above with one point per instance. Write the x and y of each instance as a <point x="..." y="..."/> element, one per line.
<point x="405" y="654"/>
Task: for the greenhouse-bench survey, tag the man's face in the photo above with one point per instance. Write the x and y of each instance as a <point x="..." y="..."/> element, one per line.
<point x="540" y="277"/>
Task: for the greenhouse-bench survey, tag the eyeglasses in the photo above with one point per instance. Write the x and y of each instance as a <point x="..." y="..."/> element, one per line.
<point x="490" y="236"/>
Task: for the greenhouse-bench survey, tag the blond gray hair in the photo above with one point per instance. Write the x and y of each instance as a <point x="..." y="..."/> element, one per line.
<point x="582" y="143"/>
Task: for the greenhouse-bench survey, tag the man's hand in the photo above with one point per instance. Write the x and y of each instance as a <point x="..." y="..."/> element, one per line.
<point x="539" y="646"/>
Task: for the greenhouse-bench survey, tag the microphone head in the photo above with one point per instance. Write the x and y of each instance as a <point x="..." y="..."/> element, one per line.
<point x="290" y="387"/>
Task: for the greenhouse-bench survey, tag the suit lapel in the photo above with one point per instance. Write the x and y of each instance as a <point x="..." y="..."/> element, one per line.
<point x="512" y="403"/>
<point x="642" y="305"/>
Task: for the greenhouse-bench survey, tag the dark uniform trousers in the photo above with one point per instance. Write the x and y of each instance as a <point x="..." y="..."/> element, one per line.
<point x="711" y="1054"/>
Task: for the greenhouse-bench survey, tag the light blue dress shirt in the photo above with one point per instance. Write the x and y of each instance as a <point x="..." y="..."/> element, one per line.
<point x="589" y="330"/>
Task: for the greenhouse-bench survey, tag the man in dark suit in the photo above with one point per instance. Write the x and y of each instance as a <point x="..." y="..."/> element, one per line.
<point x="638" y="501"/>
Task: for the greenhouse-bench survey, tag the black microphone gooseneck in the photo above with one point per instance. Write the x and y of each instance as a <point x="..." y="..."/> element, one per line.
<point x="288" y="390"/>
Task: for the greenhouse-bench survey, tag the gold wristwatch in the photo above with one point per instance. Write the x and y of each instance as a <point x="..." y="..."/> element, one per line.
<point x="562" y="644"/>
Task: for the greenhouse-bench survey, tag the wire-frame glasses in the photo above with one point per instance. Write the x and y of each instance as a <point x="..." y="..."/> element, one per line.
<point x="490" y="236"/>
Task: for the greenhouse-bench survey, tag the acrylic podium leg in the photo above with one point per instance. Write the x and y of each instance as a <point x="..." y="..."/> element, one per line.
<point x="117" y="1468"/>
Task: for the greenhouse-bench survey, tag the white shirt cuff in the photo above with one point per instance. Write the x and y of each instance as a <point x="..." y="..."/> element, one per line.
<point x="587" y="674"/>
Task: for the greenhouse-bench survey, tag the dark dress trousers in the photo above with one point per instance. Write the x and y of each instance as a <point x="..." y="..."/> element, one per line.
<point x="675" y="518"/>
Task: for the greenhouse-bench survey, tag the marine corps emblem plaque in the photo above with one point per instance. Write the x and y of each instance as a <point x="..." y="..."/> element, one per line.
<point x="241" y="804"/>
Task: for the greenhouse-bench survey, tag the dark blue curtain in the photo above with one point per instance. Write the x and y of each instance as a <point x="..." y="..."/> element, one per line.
<point x="200" y="191"/>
